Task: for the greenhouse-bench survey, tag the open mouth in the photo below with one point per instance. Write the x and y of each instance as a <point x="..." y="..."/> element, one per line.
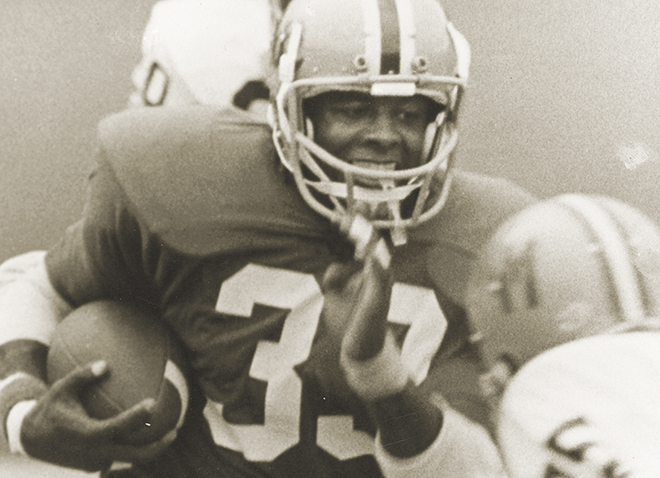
<point x="376" y="166"/>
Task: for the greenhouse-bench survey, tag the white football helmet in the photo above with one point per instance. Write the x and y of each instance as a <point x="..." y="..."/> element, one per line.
<point x="566" y="268"/>
<point x="204" y="52"/>
<point x="383" y="48"/>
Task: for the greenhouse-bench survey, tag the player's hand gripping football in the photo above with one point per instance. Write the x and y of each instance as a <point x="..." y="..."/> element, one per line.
<point x="357" y="296"/>
<point x="58" y="429"/>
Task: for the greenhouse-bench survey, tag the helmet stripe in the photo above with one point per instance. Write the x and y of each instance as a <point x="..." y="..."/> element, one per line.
<point x="407" y="33"/>
<point x="372" y="31"/>
<point x="629" y="238"/>
<point x="390" y="55"/>
<point x="615" y="252"/>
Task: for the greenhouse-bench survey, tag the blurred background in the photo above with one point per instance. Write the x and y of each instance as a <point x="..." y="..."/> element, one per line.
<point x="65" y="65"/>
<point x="563" y="97"/>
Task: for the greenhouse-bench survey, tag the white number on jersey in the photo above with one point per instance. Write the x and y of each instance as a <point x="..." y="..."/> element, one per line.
<point x="577" y="453"/>
<point x="274" y="362"/>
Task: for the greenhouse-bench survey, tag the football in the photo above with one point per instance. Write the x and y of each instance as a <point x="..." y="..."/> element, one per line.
<point x="144" y="359"/>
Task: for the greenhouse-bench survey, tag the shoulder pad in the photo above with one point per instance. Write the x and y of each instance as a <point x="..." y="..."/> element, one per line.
<point x="476" y="206"/>
<point x="198" y="175"/>
<point x="136" y="129"/>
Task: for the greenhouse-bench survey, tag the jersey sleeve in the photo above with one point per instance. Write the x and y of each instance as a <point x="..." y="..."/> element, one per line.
<point x="105" y="254"/>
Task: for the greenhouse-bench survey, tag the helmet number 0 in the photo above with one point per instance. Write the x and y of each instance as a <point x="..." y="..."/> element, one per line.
<point x="274" y="362"/>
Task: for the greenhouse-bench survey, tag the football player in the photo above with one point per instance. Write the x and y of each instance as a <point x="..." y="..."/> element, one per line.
<point x="313" y="268"/>
<point x="564" y="301"/>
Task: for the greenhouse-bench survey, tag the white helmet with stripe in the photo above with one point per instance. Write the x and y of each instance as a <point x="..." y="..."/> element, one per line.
<point x="383" y="48"/>
<point x="566" y="268"/>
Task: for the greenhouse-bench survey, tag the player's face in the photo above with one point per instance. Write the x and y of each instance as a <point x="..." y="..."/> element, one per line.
<point x="375" y="132"/>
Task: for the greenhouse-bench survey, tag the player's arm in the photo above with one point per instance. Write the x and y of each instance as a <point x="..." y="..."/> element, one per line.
<point x="36" y="418"/>
<point x="419" y="434"/>
<point x="89" y="263"/>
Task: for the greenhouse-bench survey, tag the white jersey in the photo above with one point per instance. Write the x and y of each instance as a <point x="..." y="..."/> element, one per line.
<point x="586" y="409"/>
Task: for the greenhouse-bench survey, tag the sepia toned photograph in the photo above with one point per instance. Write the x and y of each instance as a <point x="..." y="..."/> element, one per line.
<point x="329" y="238"/>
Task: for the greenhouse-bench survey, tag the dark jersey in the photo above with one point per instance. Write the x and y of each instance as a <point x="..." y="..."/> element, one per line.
<point x="189" y="212"/>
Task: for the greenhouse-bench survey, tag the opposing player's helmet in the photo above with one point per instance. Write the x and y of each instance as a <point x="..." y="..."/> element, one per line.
<point x="205" y="52"/>
<point x="566" y="268"/>
<point x="383" y="48"/>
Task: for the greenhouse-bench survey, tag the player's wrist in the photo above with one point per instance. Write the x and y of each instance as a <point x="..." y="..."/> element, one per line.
<point x="380" y="376"/>
<point x="17" y="388"/>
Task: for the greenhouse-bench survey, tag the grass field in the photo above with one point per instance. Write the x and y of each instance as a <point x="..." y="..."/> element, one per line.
<point x="16" y="467"/>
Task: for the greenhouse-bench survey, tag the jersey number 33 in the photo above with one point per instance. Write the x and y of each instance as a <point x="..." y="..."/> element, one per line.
<point x="274" y="362"/>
